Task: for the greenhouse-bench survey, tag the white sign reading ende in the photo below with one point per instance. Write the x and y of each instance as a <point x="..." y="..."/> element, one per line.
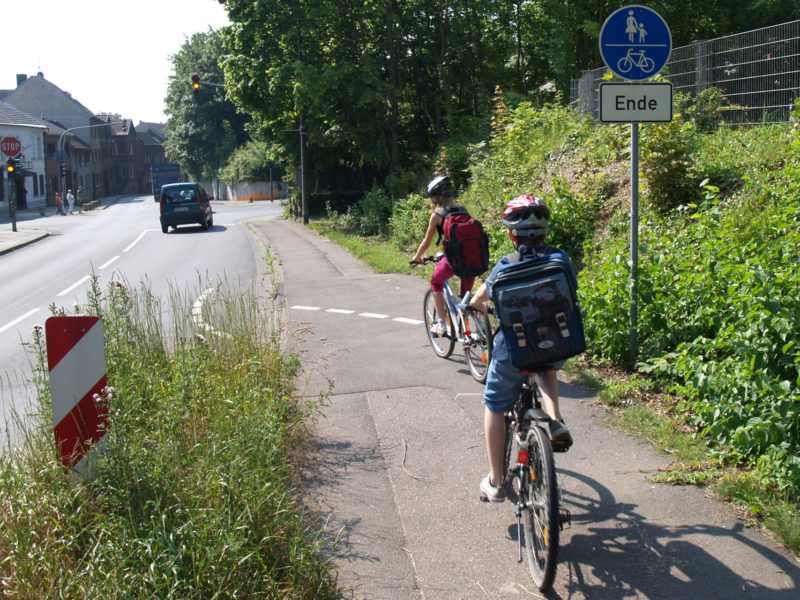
<point x="635" y="102"/>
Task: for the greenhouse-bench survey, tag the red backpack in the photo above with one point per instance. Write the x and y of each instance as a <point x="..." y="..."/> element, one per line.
<point x="465" y="243"/>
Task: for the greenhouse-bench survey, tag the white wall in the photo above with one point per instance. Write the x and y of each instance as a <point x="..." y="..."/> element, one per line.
<point x="32" y="139"/>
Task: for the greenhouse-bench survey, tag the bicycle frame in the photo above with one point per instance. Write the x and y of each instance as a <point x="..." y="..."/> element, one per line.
<point x="464" y="325"/>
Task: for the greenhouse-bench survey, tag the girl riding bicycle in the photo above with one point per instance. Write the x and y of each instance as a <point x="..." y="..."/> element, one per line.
<point x="527" y="218"/>
<point x="441" y="193"/>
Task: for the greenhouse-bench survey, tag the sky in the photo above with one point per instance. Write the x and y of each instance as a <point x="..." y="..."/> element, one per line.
<point x="112" y="56"/>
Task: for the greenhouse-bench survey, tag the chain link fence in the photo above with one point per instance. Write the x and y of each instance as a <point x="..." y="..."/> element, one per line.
<point x="758" y="71"/>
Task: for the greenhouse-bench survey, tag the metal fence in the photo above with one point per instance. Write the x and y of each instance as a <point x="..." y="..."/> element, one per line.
<point x="758" y="71"/>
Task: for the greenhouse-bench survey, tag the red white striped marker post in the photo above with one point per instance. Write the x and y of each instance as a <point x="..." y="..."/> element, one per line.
<point x="76" y="359"/>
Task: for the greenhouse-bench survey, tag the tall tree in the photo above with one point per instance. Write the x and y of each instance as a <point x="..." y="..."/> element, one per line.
<point x="203" y="127"/>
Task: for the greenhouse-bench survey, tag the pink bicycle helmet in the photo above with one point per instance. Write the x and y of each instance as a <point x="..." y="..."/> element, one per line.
<point x="526" y="216"/>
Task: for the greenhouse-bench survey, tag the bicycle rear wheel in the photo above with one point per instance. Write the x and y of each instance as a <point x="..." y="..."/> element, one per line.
<point x="540" y="517"/>
<point x="478" y="349"/>
<point x="442" y="345"/>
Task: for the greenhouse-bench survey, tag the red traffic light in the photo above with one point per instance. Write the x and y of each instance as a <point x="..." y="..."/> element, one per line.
<point x="196" y="82"/>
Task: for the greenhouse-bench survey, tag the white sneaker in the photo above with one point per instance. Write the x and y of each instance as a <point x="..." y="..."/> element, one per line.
<point x="438" y="329"/>
<point x="492" y="493"/>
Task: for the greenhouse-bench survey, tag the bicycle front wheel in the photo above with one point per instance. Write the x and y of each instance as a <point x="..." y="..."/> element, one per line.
<point x="478" y="346"/>
<point x="442" y="345"/>
<point x="540" y="516"/>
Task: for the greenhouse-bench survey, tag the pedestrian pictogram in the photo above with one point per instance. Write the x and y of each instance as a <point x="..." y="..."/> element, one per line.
<point x="635" y="42"/>
<point x="76" y="360"/>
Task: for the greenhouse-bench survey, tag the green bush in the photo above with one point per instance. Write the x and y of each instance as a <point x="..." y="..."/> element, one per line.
<point x="376" y="209"/>
<point x="409" y="221"/>
<point x="666" y="163"/>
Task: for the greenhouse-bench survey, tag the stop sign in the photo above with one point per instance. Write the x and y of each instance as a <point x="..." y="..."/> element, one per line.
<point x="10" y="146"/>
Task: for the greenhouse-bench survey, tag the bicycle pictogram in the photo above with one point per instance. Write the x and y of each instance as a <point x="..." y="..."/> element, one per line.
<point x="635" y="59"/>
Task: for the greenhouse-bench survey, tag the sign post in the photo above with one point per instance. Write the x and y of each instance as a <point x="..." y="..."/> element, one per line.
<point x="635" y="43"/>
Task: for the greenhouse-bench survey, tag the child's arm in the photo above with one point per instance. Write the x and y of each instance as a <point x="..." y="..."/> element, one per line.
<point x="432" y="225"/>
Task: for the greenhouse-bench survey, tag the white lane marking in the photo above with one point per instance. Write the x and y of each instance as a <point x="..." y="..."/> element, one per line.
<point x="368" y="315"/>
<point x="409" y="321"/>
<point x="108" y="262"/>
<point x="81" y="281"/>
<point x="197" y="315"/>
<point x="18" y="320"/>
<point x="136" y="241"/>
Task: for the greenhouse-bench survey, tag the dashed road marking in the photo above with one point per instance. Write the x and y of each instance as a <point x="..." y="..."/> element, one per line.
<point x="366" y="315"/>
<point x="409" y="321"/>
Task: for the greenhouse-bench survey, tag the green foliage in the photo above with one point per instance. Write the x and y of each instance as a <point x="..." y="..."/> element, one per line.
<point x="251" y="162"/>
<point x="718" y="308"/>
<point x="706" y="110"/>
<point x="409" y="221"/>
<point x="666" y="162"/>
<point x="203" y="129"/>
<point x="369" y="217"/>
<point x="194" y="495"/>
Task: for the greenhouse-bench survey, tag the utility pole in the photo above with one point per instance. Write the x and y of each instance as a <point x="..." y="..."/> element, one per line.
<point x="303" y="194"/>
<point x="196" y="83"/>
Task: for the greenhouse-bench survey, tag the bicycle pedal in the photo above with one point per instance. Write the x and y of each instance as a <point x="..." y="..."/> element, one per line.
<point x="560" y="446"/>
<point x="564" y="518"/>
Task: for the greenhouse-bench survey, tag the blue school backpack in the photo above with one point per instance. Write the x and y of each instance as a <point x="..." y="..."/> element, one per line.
<point x="536" y="303"/>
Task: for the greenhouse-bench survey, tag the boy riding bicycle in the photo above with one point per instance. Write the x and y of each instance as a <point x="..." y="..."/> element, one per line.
<point x="527" y="218"/>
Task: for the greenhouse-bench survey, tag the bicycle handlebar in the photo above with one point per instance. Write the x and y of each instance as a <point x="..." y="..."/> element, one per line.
<point x="425" y="260"/>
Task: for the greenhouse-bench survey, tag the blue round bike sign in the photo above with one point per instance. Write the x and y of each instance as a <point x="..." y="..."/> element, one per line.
<point x="635" y="42"/>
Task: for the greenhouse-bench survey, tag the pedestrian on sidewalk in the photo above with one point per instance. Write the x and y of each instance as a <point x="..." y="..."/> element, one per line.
<point x="59" y="206"/>
<point x="80" y="199"/>
<point x="70" y="202"/>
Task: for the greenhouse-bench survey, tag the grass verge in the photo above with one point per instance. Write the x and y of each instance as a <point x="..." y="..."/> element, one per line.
<point x="638" y="410"/>
<point x="381" y="256"/>
<point x="194" y="495"/>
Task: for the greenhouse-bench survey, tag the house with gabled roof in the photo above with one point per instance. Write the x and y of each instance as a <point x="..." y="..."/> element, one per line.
<point x="43" y="99"/>
<point x="30" y="182"/>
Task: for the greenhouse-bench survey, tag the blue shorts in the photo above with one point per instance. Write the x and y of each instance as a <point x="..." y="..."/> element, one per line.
<point x="504" y="380"/>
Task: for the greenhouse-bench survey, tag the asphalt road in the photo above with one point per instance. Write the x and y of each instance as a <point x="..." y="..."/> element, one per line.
<point x="397" y="453"/>
<point x="48" y="262"/>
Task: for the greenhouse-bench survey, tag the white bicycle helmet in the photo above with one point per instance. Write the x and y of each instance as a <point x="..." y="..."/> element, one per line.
<point x="440" y="186"/>
<point x="526" y="216"/>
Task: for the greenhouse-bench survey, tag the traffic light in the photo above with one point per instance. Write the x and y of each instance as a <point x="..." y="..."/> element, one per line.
<point x="195" y="83"/>
<point x="62" y="170"/>
<point x="12" y="166"/>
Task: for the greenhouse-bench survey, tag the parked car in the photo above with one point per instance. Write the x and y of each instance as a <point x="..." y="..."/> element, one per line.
<point x="184" y="204"/>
